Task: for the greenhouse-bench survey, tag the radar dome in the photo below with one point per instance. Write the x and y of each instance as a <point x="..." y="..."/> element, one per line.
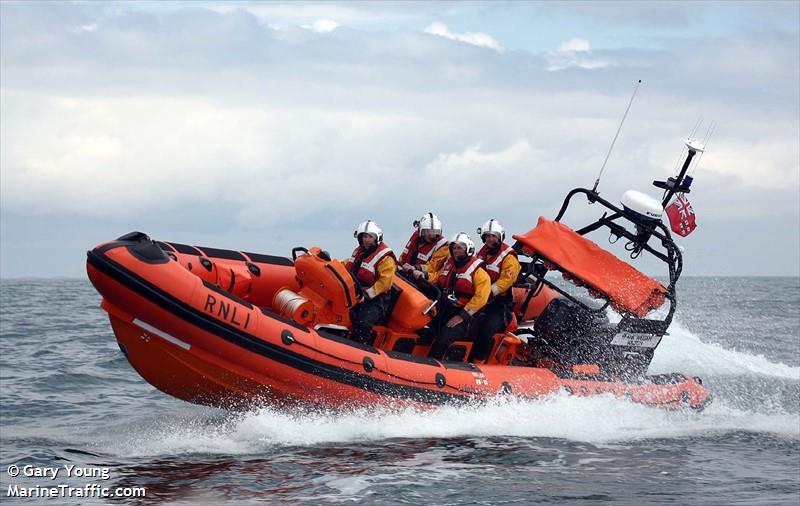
<point x="642" y="205"/>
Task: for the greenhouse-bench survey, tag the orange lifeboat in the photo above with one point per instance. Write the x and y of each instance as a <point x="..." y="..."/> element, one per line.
<point x="236" y="329"/>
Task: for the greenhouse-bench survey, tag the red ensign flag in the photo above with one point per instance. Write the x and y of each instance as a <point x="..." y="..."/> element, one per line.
<point x="681" y="216"/>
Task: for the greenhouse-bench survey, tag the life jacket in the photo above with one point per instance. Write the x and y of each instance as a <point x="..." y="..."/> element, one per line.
<point x="364" y="268"/>
<point x="458" y="280"/>
<point x="492" y="263"/>
<point x="419" y="251"/>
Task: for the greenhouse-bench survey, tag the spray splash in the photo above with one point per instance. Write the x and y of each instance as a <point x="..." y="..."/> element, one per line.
<point x="596" y="420"/>
<point x="752" y="394"/>
<point x="683" y="351"/>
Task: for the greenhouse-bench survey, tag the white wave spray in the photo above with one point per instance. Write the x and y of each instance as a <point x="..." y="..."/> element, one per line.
<point x="681" y="350"/>
<point x="596" y="420"/>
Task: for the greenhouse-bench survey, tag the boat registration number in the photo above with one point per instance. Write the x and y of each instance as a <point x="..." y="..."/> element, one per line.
<point x="636" y="339"/>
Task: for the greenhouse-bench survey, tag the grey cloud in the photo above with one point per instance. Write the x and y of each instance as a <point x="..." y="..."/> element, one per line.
<point x="199" y="40"/>
<point x="195" y="125"/>
<point x="677" y="14"/>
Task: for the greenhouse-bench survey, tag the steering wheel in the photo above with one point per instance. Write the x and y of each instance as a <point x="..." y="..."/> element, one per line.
<point x="427" y="288"/>
<point x="357" y="283"/>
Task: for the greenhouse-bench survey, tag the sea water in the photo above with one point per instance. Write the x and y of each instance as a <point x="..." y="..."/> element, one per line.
<point x="70" y="400"/>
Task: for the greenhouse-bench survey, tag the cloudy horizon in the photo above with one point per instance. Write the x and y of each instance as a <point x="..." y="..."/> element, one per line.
<point x="263" y="126"/>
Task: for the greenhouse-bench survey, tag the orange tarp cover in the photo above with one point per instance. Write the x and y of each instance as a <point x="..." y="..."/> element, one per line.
<point x="576" y="256"/>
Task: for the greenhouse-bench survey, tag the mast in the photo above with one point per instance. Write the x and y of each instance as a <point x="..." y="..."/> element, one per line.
<point x="682" y="182"/>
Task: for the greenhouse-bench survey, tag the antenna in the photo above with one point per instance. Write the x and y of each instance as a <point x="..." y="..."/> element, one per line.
<point x="597" y="181"/>
<point x="692" y="135"/>
<point x="711" y="127"/>
<point x="680" y="184"/>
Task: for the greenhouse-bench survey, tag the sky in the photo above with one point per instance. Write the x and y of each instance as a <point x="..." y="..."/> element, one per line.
<point x="260" y="126"/>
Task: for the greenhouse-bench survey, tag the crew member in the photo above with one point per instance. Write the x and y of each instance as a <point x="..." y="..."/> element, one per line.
<point x="426" y="251"/>
<point x="373" y="265"/>
<point x="465" y="289"/>
<point x="500" y="261"/>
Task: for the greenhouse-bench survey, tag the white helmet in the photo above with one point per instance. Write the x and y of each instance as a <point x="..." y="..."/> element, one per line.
<point x="465" y="241"/>
<point x="429" y="222"/>
<point x="371" y="228"/>
<point x="492" y="227"/>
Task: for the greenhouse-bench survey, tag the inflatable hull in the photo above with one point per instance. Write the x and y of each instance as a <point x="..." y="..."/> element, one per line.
<point x="198" y="342"/>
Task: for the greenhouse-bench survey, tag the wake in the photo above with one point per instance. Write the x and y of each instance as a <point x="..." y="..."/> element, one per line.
<point x="739" y="405"/>
<point x="683" y="351"/>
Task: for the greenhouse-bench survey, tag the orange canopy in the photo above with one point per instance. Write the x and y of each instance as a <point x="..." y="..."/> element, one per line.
<point x="579" y="258"/>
